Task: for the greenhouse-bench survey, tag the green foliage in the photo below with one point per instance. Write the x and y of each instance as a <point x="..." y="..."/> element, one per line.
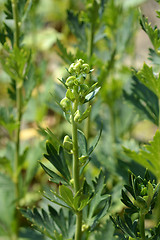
<point x="149" y="155"/>
<point x="51" y="223"/>
<point x="140" y="198"/>
<point x="99" y="203"/>
<point x="143" y="100"/>
<point x="149" y="79"/>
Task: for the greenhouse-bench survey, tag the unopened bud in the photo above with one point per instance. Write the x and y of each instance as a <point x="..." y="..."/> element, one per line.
<point x="65" y="104"/>
<point x="70" y="81"/>
<point x="86" y="68"/>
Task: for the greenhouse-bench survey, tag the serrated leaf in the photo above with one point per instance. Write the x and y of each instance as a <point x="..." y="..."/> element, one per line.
<point x="149" y="156"/>
<point x="153" y="33"/>
<point x="66" y="56"/>
<point x="54" y="177"/>
<point x="148" y="78"/>
<point x="53" y="224"/>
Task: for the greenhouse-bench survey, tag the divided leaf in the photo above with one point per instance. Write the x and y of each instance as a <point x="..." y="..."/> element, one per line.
<point x="153" y="33"/>
<point x="149" y="79"/>
<point x="144" y="100"/>
<point x="57" y="161"/>
<point x="52" y="224"/>
<point x="66" y="56"/>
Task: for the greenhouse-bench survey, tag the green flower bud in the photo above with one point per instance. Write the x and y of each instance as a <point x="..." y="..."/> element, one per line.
<point x="77" y="67"/>
<point x="70" y="81"/>
<point x="71" y="69"/>
<point x="67" y="143"/>
<point x="86" y="68"/>
<point x="65" y="104"/>
<point x="81" y="61"/>
<point x="77" y="116"/>
<point x="70" y="95"/>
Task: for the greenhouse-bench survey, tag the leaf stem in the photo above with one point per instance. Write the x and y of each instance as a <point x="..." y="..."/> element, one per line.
<point x="142" y="225"/>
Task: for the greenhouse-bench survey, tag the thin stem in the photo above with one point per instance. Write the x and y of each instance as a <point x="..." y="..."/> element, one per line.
<point x="158" y="195"/>
<point x="142" y="225"/>
<point x="76" y="176"/>
<point x="78" y="233"/>
<point x="75" y="151"/>
<point x="113" y="136"/>
<point x="19" y="115"/>
<point x="90" y="52"/>
<point x="159" y="114"/>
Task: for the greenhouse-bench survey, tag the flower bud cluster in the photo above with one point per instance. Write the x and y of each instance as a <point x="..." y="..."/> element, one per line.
<point x="77" y="89"/>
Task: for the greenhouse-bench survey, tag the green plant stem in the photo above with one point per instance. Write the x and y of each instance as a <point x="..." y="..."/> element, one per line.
<point x="158" y="195"/>
<point x="19" y="115"/>
<point x="90" y="52"/>
<point x="113" y="136"/>
<point x="78" y="233"/>
<point x="142" y="225"/>
<point x="76" y="176"/>
<point x="75" y="150"/>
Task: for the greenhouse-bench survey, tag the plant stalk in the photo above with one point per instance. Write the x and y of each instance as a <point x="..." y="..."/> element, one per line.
<point x="76" y="176"/>
<point x="19" y="115"/>
<point x="142" y="225"/>
<point x="158" y="195"/>
<point x="90" y="52"/>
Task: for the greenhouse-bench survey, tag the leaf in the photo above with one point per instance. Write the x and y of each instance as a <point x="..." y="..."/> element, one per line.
<point x="56" y="160"/>
<point x="82" y="143"/>
<point x="91" y="95"/>
<point x="95" y="142"/>
<point x="7" y="119"/>
<point x="98" y="205"/>
<point x="55" y="198"/>
<point x="144" y="100"/>
<point x="66" y="56"/>
<point x="149" y="156"/>
<point x="41" y="221"/>
<point x="76" y="27"/>
<point x="148" y="78"/>
<point x="153" y="33"/>
<point x="66" y="195"/>
<point x="54" y="177"/>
